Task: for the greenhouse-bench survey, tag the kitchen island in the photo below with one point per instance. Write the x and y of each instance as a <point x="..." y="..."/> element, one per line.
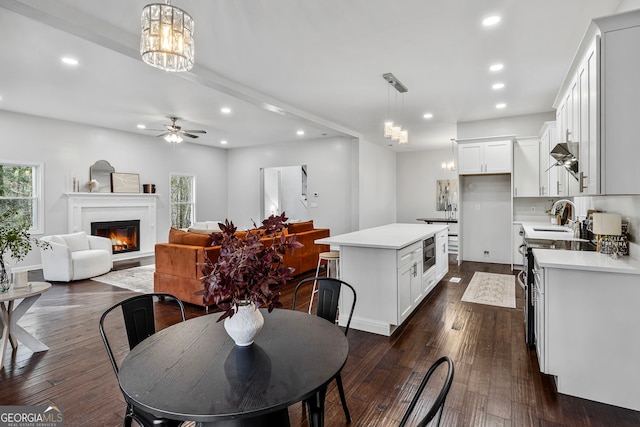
<point x="392" y="268"/>
<point x="586" y="324"/>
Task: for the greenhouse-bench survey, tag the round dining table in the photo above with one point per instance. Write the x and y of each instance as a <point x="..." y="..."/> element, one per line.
<point x="194" y="371"/>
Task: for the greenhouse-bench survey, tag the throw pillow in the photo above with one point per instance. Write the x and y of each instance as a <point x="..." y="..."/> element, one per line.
<point x="77" y="241"/>
<point x="300" y="227"/>
<point x="180" y="237"/>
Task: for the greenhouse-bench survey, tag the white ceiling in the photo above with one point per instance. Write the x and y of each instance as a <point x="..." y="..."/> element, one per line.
<point x="284" y="65"/>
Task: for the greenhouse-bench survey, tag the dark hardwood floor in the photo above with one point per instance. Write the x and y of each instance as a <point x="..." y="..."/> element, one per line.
<point x="497" y="380"/>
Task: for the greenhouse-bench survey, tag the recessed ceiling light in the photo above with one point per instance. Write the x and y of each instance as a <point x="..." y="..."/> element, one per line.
<point x="496" y="67"/>
<point x="491" y="20"/>
<point x="497" y="86"/>
<point x="225" y="110"/>
<point x="70" y="61"/>
<point x="300" y="132"/>
<point x="428" y="116"/>
<point x="501" y="105"/>
<point x="141" y="126"/>
<point x="223" y="142"/>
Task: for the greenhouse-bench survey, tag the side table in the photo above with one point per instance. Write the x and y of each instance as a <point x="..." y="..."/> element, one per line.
<point x="11" y="313"/>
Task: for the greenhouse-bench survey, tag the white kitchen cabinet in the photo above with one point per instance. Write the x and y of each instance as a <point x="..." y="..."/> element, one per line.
<point x="547" y="142"/>
<point x="489" y="157"/>
<point x="526" y="167"/>
<point x="604" y="94"/>
<point x="410" y="290"/>
<point x="584" y="316"/>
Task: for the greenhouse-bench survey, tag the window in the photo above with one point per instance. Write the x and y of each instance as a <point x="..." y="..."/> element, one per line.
<point x="182" y="200"/>
<point x="21" y="189"/>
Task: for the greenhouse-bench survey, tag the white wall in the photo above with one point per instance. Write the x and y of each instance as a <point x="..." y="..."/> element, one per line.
<point x="486" y="223"/>
<point x="416" y="183"/>
<point x="329" y="166"/>
<point x="626" y="5"/>
<point x="627" y="206"/>
<point x="67" y="148"/>
<point x="377" y="183"/>
<point x="527" y="125"/>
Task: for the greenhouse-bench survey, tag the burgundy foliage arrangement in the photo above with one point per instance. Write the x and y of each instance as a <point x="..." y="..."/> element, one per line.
<point x="246" y="267"/>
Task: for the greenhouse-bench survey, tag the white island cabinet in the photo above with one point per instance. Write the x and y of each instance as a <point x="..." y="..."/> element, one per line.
<point x="385" y="266"/>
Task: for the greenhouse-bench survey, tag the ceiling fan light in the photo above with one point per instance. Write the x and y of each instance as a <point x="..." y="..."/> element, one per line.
<point x="167" y="37"/>
<point x="173" y="138"/>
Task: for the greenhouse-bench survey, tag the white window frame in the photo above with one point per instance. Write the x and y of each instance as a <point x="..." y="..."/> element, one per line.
<point x="37" y="224"/>
<point x="193" y="196"/>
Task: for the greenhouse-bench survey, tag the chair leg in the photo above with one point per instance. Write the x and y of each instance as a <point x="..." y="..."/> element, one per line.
<point x="315" y="284"/>
<point x="343" y="398"/>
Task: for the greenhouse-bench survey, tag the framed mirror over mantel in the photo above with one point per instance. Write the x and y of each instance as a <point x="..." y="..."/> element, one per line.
<point x="101" y="172"/>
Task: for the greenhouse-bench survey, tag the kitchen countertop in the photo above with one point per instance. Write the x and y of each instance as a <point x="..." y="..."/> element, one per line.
<point x="390" y="236"/>
<point x="586" y="261"/>
<point x="427" y="220"/>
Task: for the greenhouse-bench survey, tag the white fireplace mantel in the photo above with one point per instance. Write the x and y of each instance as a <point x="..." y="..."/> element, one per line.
<point x="85" y="208"/>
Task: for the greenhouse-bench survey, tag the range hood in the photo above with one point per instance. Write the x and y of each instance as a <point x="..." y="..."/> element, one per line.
<point x="566" y="154"/>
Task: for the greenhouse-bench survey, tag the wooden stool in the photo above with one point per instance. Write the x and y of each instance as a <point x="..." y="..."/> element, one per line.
<point x="329" y="257"/>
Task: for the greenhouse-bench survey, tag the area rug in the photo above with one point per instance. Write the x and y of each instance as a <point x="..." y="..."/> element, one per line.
<point x="139" y="279"/>
<point x="491" y="289"/>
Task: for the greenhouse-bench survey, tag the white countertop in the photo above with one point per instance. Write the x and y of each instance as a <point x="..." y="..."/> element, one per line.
<point x="390" y="236"/>
<point x="586" y="261"/>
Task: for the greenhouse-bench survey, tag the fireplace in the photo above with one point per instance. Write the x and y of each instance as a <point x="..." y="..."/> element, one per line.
<point x="124" y="235"/>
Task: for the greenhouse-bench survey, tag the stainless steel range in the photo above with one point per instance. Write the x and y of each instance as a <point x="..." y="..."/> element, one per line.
<point x="554" y="238"/>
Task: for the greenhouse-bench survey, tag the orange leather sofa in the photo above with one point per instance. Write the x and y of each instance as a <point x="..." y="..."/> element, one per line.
<point x="179" y="262"/>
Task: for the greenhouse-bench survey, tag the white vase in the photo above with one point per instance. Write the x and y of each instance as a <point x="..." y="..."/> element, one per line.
<point x="245" y="324"/>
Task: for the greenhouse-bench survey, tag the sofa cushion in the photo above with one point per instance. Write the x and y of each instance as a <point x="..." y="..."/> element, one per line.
<point x="300" y="227"/>
<point x="76" y="241"/>
<point x="185" y="238"/>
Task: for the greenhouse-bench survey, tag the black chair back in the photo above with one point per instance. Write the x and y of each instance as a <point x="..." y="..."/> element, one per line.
<point x="438" y="405"/>
<point x="139" y="320"/>
<point x="328" y="295"/>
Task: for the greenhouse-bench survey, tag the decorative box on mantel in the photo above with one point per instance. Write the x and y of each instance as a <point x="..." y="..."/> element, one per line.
<point x="85" y="208"/>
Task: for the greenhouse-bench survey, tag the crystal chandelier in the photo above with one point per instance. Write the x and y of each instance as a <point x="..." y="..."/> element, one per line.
<point x="167" y="37"/>
<point x="393" y="130"/>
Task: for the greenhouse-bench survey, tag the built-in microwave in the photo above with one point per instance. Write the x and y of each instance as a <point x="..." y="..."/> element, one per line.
<point x="428" y="253"/>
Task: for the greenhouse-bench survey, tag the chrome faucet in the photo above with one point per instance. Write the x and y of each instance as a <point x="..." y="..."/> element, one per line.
<point x="573" y="211"/>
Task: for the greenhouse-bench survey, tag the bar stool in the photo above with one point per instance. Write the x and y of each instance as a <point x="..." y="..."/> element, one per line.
<point x="332" y="256"/>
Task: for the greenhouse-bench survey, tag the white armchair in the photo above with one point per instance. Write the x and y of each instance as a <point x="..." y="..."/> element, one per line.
<point x="76" y="256"/>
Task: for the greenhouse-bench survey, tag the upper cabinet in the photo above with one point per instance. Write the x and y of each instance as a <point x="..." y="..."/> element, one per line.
<point x="489" y="157"/>
<point x="548" y="172"/>
<point x="526" y="167"/>
<point x="596" y="109"/>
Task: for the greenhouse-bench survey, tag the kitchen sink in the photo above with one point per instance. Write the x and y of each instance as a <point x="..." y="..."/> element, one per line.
<point x="553" y="229"/>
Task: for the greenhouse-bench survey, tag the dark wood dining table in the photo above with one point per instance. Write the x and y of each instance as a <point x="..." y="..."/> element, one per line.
<point x="194" y="371"/>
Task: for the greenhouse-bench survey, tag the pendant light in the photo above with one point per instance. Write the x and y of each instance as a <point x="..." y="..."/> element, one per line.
<point x="167" y="37"/>
<point x="451" y="166"/>
<point x="392" y="129"/>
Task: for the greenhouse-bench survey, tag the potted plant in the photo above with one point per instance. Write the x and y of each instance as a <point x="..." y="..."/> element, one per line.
<point x="15" y="241"/>
<point x="240" y="280"/>
<point x="555" y="213"/>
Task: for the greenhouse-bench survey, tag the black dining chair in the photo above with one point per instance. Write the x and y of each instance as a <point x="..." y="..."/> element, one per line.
<point x="327" y="308"/>
<point x="438" y="405"/>
<point x="139" y="321"/>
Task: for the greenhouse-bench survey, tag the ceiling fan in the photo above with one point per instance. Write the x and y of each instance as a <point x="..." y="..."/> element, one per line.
<point x="174" y="132"/>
